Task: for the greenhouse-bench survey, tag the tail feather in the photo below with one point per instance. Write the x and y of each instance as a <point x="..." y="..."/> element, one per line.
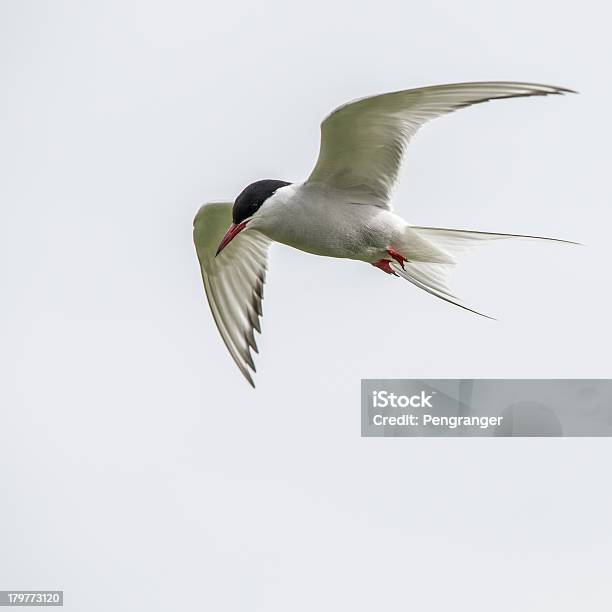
<point x="459" y="241"/>
<point x="432" y="276"/>
<point x="433" y="279"/>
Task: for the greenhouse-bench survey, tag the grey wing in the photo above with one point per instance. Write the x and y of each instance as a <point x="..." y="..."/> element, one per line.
<point x="363" y="142"/>
<point x="233" y="281"/>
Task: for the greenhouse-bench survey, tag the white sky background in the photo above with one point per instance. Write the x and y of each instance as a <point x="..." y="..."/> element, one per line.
<point x="139" y="471"/>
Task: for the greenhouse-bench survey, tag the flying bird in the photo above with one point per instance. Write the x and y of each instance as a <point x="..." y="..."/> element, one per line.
<point x="343" y="209"/>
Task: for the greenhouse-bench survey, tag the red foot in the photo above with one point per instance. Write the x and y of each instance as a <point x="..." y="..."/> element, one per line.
<point x="385" y="266"/>
<point x="397" y="256"/>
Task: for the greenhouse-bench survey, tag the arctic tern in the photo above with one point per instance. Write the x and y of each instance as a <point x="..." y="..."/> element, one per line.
<point x="343" y="209"/>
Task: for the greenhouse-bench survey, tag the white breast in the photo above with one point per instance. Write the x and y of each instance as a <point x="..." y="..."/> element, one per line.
<point x="324" y="222"/>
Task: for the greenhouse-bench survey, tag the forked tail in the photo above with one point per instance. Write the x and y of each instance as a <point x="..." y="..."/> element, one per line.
<point x="432" y="276"/>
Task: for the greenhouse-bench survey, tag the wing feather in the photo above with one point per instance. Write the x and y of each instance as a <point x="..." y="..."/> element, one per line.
<point x="363" y="142"/>
<point x="233" y="281"/>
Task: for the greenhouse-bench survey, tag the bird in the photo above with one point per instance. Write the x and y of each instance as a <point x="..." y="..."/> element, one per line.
<point x="343" y="209"/>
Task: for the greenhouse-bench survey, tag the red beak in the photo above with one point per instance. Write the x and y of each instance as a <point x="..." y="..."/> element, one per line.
<point x="232" y="232"/>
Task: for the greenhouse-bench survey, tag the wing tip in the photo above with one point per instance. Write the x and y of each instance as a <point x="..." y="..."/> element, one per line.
<point x="552" y="89"/>
<point x="247" y="375"/>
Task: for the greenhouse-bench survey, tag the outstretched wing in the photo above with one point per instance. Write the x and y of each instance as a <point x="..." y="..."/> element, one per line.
<point x="363" y="142"/>
<point x="233" y="281"/>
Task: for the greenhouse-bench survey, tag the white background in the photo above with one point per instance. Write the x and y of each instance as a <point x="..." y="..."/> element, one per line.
<point x="138" y="470"/>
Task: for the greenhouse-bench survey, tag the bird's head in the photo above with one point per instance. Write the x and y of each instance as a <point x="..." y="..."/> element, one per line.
<point x="247" y="205"/>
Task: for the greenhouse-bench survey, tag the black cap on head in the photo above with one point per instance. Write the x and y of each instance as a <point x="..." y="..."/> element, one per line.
<point x="252" y="197"/>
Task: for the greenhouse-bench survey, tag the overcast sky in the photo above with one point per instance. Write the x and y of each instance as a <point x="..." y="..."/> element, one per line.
<point x="139" y="470"/>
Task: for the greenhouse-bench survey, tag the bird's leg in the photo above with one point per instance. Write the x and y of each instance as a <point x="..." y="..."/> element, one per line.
<point x="397" y="256"/>
<point x="385" y="266"/>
